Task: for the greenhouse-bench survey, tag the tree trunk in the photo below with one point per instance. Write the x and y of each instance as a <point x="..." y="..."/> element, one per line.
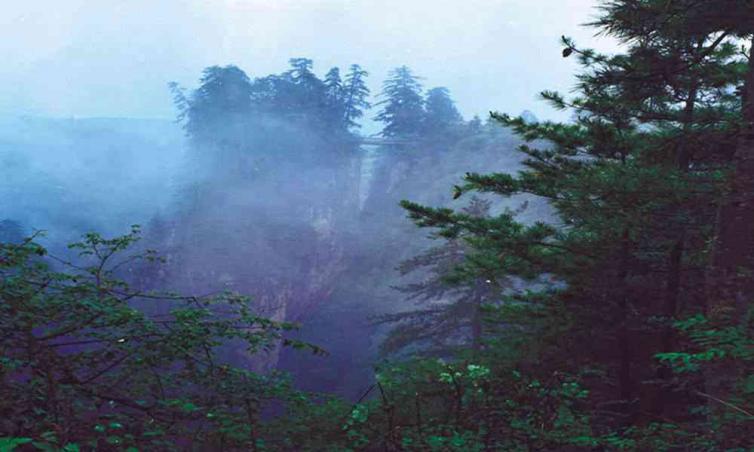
<point x="675" y="262"/>
<point x="625" y="383"/>
<point x="729" y="280"/>
<point x="476" y="323"/>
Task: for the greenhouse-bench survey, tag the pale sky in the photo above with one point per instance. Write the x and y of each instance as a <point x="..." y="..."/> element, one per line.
<point x="115" y="57"/>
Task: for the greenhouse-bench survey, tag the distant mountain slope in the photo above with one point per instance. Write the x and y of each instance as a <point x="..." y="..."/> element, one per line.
<point x="70" y="175"/>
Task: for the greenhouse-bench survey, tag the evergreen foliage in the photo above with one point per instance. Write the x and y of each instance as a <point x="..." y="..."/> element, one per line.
<point x="450" y="317"/>
<point x="227" y="100"/>
<point x="355" y="95"/>
<point x="623" y="323"/>
<point x="634" y="180"/>
<point x="402" y="105"/>
<point x="441" y="115"/>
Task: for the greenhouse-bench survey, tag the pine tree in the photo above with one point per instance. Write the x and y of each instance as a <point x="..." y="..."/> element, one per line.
<point x="631" y="179"/>
<point x="441" y="114"/>
<point x="306" y="95"/>
<point x="301" y="72"/>
<point x="355" y="95"/>
<point x="216" y="117"/>
<point x="450" y="316"/>
<point x="224" y="95"/>
<point x="730" y="285"/>
<point x="402" y="105"/>
<point x="688" y="61"/>
<point x="334" y="91"/>
<point x="334" y="85"/>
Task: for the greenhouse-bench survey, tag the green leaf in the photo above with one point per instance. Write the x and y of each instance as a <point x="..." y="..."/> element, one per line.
<point x="457" y="192"/>
<point x="8" y="444"/>
<point x="189" y="407"/>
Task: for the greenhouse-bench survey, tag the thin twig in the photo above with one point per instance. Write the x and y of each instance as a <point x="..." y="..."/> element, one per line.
<point x="728" y="404"/>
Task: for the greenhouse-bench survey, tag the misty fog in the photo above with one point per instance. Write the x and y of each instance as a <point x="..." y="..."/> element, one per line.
<point x="356" y="225"/>
<point x="269" y="200"/>
<point x="378" y="225"/>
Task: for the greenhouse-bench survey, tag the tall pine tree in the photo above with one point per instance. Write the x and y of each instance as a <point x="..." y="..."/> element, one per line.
<point x="448" y="314"/>
<point x="355" y="95"/>
<point x="441" y="113"/>
<point x="402" y="105"/>
<point x="632" y="180"/>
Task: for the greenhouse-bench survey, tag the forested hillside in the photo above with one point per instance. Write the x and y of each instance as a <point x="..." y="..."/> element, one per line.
<point x="446" y="284"/>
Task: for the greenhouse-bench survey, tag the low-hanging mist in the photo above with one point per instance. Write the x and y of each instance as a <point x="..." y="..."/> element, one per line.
<point x="294" y="262"/>
<point x="265" y="187"/>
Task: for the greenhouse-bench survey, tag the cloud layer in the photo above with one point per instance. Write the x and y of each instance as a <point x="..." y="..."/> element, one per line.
<point x="114" y="57"/>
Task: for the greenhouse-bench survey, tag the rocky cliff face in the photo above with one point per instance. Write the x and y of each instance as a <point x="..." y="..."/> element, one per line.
<point x="384" y="237"/>
<point x="308" y="226"/>
<point x="272" y="226"/>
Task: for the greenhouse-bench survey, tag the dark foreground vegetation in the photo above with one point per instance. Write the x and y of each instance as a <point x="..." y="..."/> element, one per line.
<point x="624" y="322"/>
